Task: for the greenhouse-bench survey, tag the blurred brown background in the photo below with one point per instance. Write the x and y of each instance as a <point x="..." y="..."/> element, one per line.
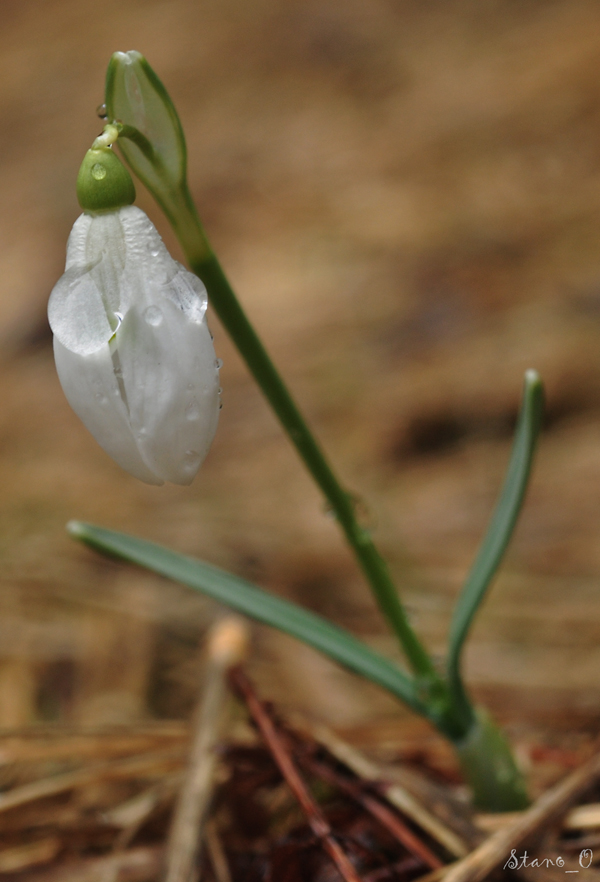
<point x="406" y="195"/>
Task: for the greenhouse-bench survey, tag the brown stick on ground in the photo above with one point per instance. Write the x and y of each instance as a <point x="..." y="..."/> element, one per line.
<point x="153" y="764"/>
<point x="136" y="865"/>
<point x="378" y="810"/>
<point x="497" y="849"/>
<point x="317" y="821"/>
<point x="226" y="646"/>
<point x="398" y="796"/>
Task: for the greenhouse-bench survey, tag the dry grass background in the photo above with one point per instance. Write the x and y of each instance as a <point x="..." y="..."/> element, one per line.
<point x="407" y="197"/>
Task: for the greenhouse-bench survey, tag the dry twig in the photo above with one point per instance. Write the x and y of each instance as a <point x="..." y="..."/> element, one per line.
<point x="151" y="764"/>
<point x="135" y="865"/>
<point x="378" y="810"/>
<point x="548" y="808"/>
<point x="398" y="796"/>
<point x="21" y="857"/>
<point x="317" y="821"/>
<point x="216" y="853"/>
<point x="584" y="817"/>
<point x="226" y="646"/>
<point x="57" y="741"/>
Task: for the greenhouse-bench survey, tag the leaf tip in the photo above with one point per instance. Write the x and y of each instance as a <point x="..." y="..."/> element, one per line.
<point x="534" y="390"/>
<point x="532" y="378"/>
<point x="76" y="529"/>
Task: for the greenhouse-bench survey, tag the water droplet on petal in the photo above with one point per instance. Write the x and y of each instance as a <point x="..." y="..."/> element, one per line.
<point x="153" y="316"/>
<point x="98" y="171"/>
<point x="191" y="460"/>
<point x="154" y="252"/>
<point x="192" y="411"/>
<point x="219" y="363"/>
<point x="188" y="293"/>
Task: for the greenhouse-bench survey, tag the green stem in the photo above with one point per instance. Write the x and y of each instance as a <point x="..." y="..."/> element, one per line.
<point x="204" y="263"/>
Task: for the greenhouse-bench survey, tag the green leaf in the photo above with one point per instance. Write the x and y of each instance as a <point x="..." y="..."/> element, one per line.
<point x="246" y="598"/>
<point x="499" y="531"/>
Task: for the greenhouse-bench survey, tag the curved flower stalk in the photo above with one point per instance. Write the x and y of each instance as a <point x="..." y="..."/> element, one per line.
<point x="133" y="350"/>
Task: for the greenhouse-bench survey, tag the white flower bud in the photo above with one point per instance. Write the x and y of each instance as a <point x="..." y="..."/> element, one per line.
<point x="132" y="348"/>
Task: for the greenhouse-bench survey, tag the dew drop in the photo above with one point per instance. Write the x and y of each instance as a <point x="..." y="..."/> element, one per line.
<point x="192" y="411"/>
<point x="219" y="363"/>
<point x="154" y="252"/>
<point x="191" y="460"/>
<point x="98" y="171"/>
<point x="153" y="316"/>
<point x="101" y="111"/>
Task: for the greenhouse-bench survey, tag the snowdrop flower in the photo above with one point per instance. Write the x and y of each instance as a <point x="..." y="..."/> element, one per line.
<point x="133" y="351"/>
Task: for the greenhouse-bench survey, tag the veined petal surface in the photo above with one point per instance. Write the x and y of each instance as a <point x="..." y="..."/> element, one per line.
<point x="132" y="348"/>
<point x="91" y="388"/>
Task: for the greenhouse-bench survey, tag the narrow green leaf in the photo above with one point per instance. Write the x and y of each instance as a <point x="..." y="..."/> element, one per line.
<point x="500" y="529"/>
<point x="246" y="598"/>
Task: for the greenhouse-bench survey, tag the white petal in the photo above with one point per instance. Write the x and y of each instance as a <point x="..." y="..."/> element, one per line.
<point x="142" y="239"/>
<point x="76" y="313"/>
<point x="87" y="300"/>
<point x="76" y="246"/>
<point x="133" y="352"/>
<point x="92" y="390"/>
<point x="172" y="388"/>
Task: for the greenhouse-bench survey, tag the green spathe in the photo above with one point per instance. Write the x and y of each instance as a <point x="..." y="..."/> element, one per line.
<point x="152" y="139"/>
<point x="103" y="182"/>
<point x="152" y="142"/>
